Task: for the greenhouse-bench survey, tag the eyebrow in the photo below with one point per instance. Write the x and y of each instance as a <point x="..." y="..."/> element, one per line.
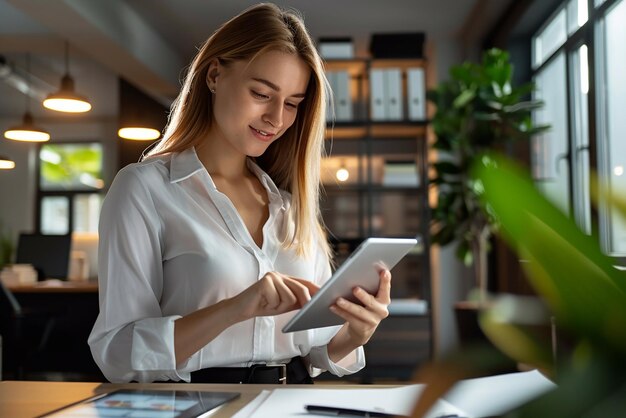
<point x="274" y="86"/>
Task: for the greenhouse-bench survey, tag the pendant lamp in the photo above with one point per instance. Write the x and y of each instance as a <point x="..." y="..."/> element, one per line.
<point x="27" y="131"/>
<point x="6" y="163"/>
<point x="66" y="99"/>
<point x="138" y="133"/>
<point x="140" y="116"/>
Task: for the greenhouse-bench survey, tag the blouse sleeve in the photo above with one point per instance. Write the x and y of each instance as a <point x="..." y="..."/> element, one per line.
<point x="318" y="357"/>
<point x="131" y="340"/>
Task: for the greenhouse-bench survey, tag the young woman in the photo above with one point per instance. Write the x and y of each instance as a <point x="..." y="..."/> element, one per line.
<point x="209" y="243"/>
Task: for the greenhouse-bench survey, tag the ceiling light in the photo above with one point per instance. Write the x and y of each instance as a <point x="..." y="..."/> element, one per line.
<point x="27" y="131"/>
<point x="137" y="133"/>
<point x="66" y="99"/>
<point x="6" y="163"/>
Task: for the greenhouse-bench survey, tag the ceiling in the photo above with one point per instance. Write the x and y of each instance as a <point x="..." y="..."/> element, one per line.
<point x="149" y="42"/>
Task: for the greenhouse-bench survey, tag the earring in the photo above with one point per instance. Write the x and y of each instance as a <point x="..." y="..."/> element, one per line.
<point x="212" y="90"/>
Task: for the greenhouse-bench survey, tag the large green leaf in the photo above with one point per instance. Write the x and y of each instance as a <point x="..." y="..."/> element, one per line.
<point x="566" y="266"/>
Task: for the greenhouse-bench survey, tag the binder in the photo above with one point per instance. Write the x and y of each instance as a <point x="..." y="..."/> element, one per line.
<point x="343" y="100"/>
<point x="377" y="94"/>
<point x="416" y="87"/>
<point x="394" y="108"/>
<point x="331" y="109"/>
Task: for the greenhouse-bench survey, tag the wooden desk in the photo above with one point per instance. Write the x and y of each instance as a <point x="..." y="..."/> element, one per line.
<point x="30" y="399"/>
<point x="56" y="286"/>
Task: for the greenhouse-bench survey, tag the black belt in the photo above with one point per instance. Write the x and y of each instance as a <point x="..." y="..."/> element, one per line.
<point x="294" y="372"/>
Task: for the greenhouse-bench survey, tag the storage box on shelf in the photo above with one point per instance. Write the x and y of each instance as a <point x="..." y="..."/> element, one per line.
<point x="375" y="182"/>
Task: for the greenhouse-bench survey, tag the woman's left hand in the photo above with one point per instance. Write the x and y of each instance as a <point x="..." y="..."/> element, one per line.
<point x="362" y="321"/>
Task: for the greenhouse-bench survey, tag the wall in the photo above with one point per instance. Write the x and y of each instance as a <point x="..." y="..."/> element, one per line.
<point x="18" y="186"/>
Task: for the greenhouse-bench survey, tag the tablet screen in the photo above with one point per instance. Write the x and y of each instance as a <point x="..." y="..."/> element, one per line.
<point x="360" y="269"/>
<point x="146" y="403"/>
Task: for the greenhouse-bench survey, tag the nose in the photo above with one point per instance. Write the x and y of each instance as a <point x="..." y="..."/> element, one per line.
<point x="274" y="115"/>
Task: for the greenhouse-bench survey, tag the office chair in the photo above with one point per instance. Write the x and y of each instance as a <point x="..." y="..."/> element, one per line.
<point x="19" y="346"/>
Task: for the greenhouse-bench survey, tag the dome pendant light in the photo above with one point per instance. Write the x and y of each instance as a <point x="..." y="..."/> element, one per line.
<point x="66" y="100"/>
<point x="27" y="131"/>
<point x="138" y="133"/>
<point x="6" y="163"/>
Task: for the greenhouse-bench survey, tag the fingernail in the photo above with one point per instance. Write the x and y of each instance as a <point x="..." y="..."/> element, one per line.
<point x="341" y="301"/>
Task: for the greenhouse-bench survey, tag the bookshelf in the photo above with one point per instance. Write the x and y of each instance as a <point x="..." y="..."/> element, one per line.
<point x="385" y="194"/>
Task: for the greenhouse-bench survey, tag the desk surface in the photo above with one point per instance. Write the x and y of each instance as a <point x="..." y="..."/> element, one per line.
<point x="21" y="399"/>
<point x="56" y="286"/>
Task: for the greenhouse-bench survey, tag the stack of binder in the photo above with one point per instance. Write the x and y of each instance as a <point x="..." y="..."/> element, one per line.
<point x="387" y="101"/>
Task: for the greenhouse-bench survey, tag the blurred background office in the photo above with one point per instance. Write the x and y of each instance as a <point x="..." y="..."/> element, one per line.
<point x="121" y="61"/>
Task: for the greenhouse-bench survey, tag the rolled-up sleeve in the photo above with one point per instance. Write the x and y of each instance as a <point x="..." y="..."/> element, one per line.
<point x="318" y="357"/>
<point x="131" y="339"/>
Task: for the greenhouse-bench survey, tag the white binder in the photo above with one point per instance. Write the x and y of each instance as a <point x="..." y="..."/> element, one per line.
<point x="330" y="106"/>
<point x="343" y="100"/>
<point x="416" y="93"/>
<point x="377" y="94"/>
<point x="394" y="108"/>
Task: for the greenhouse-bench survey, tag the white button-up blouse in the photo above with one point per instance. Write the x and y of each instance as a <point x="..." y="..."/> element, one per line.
<point x="170" y="243"/>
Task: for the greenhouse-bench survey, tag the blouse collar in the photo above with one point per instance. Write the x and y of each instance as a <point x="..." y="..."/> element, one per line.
<point x="186" y="163"/>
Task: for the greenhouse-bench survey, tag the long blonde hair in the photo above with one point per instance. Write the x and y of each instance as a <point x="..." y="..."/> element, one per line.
<point x="293" y="162"/>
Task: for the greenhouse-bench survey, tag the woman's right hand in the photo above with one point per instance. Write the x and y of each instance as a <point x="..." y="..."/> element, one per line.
<point x="273" y="294"/>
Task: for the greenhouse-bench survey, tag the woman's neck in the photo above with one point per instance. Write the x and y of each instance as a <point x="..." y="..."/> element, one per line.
<point x="221" y="160"/>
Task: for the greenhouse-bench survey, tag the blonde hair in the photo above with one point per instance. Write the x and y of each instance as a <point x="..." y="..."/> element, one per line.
<point x="293" y="162"/>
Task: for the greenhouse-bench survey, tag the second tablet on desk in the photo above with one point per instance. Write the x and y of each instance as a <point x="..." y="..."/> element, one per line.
<point x="360" y="269"/>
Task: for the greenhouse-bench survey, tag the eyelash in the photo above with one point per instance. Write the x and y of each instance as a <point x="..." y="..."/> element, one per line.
<point x="265" y="97"/>
<point x="259" y="95"/>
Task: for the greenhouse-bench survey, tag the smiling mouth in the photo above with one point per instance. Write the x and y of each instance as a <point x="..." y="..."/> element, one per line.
<point x="263" y="133"/>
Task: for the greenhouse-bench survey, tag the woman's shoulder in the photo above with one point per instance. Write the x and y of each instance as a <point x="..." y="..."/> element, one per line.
<point x="151" y="171"/>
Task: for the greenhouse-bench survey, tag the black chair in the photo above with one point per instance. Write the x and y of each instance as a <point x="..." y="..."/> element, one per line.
<point x="24" y="332"/>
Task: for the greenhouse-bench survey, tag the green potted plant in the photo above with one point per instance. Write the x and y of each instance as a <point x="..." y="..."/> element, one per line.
<point x="586" y="295"/>
<point x="478" y="109"/>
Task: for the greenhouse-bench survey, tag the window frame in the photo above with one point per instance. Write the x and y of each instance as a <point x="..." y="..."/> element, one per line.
<point x="70" y="195"/>
<point x="590" y="35"/>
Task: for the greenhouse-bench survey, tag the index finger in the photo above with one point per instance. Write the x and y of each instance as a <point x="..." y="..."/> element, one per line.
<point x="313" y="288"/>
<point x="299" y="289"/>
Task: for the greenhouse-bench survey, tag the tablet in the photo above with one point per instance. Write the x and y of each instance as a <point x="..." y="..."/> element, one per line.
<point x="360" y="269"/>
<point x="146" y="403"/>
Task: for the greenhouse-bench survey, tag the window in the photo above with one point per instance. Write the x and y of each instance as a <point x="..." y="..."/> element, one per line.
<point x="576" y="15"/>
<point x="70" y="182"/>
<point x="611" y="98"/>
<point x="550" y="38"/>
<point x="580" y="135"/>
<point x="553" y="168"/>
<point x="586" y="134"/>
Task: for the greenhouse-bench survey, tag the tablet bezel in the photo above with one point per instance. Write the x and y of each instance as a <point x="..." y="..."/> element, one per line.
<point x="358" y="270"/>
<point x="197" y="410"/>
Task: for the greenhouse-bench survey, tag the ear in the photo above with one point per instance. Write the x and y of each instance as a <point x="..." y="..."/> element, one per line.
<point x="213" y="72"/>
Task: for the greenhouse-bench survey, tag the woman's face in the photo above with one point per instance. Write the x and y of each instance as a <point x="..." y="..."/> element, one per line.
<point x="256" y="102"/>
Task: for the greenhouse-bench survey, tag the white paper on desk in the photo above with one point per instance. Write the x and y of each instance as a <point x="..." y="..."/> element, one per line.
<point x="291" y="402"/>
<point x="253" y="405"/>
<point x="495" y="395"/>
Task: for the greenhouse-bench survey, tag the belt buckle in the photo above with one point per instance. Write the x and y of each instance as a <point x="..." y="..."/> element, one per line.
<point x="283" y="371"/>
